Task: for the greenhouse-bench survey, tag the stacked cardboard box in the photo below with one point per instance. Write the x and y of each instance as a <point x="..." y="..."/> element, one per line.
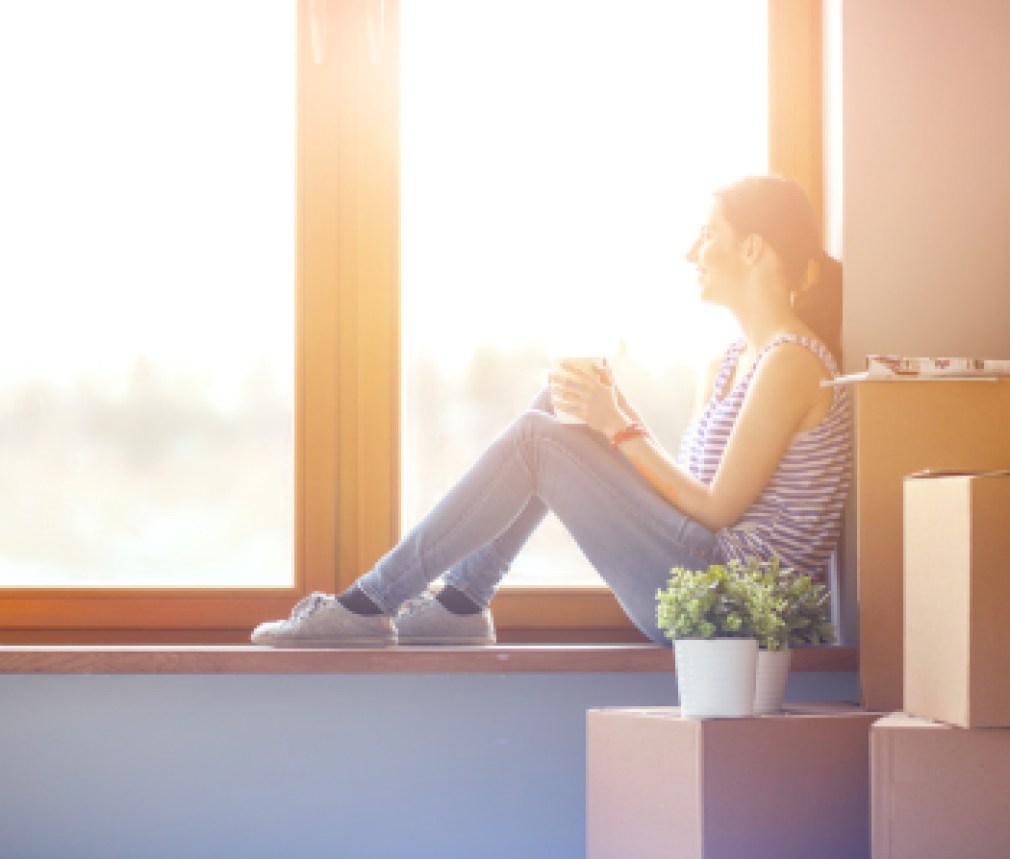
<point x="941" y="769"/>
<point x="957" y="597"/>
<point x="769" y="787"/>
<point x="903" y="427"/>
<point x="939" y="791"/>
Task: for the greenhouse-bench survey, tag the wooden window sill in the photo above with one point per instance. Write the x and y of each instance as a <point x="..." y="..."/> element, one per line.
<point x="246" y="659"/>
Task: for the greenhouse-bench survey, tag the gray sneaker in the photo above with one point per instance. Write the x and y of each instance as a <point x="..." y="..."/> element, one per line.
<point x="318" y="620"/>
<point x="424" y="620"/>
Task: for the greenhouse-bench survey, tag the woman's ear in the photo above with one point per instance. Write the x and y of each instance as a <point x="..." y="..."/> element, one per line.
<point x="753" y="247"/>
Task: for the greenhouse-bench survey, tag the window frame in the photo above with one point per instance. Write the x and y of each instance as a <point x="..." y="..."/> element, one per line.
<point x="347" y="389"/>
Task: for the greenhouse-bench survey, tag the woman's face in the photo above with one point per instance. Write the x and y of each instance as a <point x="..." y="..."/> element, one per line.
<point x="718" y="256"/>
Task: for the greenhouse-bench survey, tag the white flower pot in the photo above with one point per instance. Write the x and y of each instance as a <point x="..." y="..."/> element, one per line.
<point x="715" y="677"/>
<point x="772" y="678"/>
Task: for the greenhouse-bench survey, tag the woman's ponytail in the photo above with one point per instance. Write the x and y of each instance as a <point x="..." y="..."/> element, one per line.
<point x="819" y="305"/>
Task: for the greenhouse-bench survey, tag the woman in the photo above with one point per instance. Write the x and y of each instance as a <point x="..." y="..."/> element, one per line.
<point x="763" y="470"/>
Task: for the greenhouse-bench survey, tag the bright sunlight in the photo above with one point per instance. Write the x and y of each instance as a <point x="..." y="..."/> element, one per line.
<point x="146" y="339"/>
<point x="557" y="162"/>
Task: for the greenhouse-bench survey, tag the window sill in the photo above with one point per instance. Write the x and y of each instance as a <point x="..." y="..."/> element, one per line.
<point x="394" y="660"/>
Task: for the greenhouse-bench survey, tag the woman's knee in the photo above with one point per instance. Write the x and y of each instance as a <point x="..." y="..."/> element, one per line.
<point x="542" y="401"/>
<point x="535" y="426"/>
<point x="532" y="425"/>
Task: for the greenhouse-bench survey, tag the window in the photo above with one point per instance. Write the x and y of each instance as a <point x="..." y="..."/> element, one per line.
<point x="146" y="383"/>
<point x="548" y="197"/>
<point x="344" y="473"/>
<point x="165" y="166"/>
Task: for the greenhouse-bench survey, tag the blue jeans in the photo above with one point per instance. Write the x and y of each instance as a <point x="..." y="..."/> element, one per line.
<point x="630" y="534"/>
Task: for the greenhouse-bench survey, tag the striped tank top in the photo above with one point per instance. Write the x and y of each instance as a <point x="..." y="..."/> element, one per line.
<point x="798" y="516"/>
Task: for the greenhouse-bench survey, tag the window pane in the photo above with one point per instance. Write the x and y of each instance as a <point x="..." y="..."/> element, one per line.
<point x="146" y="345"/>
<point x="558" y="158"/>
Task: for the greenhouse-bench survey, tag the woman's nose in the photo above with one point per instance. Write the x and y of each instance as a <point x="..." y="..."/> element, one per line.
<point x="692" y="252"/>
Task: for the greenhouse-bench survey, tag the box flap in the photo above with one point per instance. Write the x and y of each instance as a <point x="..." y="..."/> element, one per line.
<point x="932" y="473"/>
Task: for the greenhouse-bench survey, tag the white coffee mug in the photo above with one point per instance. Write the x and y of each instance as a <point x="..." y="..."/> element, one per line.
<point x="587" y="365"/>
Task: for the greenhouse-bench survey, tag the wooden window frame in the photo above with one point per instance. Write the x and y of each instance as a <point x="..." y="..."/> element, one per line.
<point x="347" y="344"/>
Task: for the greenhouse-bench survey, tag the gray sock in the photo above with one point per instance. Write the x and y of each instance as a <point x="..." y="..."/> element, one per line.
<point x="457" y="602"/>
<point x="354" y="599"/>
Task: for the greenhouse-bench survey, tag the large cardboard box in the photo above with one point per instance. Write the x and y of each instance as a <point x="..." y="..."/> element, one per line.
<point x="770" y="787"/>
<point x="957" y="591"/>
<point x="939" y="791"/>
<point x="903" y="427"/>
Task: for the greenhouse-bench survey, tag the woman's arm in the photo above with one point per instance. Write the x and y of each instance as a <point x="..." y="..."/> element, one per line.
<point x="783" y="396"/>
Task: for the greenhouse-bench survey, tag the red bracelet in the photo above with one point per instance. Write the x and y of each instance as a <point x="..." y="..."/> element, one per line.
<point x="634" y="430"/>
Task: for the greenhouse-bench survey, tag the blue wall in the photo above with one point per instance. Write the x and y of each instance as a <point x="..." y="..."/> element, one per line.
<point x="358" y="766"/>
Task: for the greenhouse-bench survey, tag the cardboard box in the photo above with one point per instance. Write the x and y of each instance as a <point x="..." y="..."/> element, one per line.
<point x="769" y="787"/>
<point x="957" y="592"/>
<point x="939" y="791"/>
<point x="903" y="427"/>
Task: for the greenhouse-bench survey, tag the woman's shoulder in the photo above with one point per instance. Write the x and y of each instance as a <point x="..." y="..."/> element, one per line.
<point x="790" y="377"/>
<point x="793" y="357"/>
<point x="804" y="344"/>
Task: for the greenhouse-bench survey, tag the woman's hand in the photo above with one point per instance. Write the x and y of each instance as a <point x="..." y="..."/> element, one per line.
<point x="589" y="395"/>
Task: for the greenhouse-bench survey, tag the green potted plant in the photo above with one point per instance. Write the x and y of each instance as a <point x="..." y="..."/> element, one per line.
<point x="715" y="618"/>
<point x="802" y="606"/>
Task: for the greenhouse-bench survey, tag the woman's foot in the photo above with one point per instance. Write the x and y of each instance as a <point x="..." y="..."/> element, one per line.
<point x="320" y="620"/>
<point x="425" y="620"/>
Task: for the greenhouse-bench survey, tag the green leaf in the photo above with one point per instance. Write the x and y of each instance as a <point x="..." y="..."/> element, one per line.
<point x="756" y="599"/>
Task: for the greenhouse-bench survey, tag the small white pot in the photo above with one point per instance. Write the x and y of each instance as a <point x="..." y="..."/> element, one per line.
<point x="772" y="678"/>
<point x="715" y="677"/>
